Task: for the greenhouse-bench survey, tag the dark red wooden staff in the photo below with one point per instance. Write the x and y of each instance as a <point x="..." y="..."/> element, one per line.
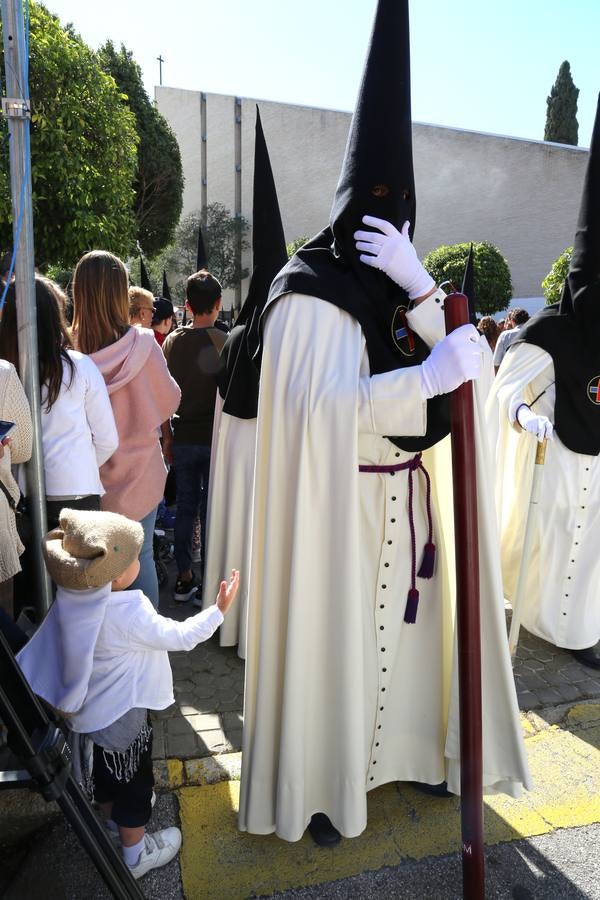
<point x="456" y="308"/>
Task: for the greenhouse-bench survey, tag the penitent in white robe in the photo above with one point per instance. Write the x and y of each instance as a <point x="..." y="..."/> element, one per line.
<point x="342" y="695"/>
<point x="562" y="598"/>
<point x="229" y="518"/>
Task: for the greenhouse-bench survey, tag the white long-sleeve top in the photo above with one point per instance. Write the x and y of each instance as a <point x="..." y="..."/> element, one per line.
<point x="124" y="666"/>
<point x="78" y="432"/>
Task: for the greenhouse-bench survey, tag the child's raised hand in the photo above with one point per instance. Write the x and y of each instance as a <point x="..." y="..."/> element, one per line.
<point x="227" y="591"/>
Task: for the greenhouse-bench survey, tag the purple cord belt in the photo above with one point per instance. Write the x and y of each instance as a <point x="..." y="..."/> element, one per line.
<point x="427" y="563"/>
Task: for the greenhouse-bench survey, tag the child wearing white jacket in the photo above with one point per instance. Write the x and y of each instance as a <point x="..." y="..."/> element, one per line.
<point x="100" y="658"/>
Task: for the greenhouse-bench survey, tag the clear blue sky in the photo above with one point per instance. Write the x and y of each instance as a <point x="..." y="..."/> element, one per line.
<point x="476" y="64"/>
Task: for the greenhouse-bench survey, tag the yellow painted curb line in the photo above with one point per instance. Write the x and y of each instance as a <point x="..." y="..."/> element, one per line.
<point x="217" y="860"/>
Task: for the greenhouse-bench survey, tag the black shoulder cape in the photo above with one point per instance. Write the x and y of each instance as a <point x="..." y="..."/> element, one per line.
<point x="239" y="382"/>
<point x="577" y="374"/>
<point x="315" y="270"/>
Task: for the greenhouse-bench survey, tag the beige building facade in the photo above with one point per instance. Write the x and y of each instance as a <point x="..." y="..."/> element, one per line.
<point x="523" y="196"/>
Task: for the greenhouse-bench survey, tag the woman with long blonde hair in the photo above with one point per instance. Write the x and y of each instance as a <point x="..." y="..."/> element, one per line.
<point x="142" y="393"/>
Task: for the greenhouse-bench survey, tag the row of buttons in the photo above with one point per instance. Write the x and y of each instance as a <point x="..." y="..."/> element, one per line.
<point x="573" y="553"/>
<point x="381" y="628"/>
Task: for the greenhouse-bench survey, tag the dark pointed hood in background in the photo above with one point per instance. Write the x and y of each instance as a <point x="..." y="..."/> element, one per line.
<point x="269" y="253"/>
<point x="376" y="179"/>
<point x="201" y="257"/>
<point x="468" y="286"/>
<point x="165" y="288"/>
<point x="144" y="280"/>
<point x="239" y="387"/>
<point x="570" y="331"/>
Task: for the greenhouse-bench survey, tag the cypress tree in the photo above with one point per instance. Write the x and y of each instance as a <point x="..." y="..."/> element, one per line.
<point x="561" y="116"/>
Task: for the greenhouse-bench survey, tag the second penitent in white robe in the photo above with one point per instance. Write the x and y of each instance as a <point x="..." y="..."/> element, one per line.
<point x="229" y="518"/>
<point x="341" y="694"/>
<point x="562" y="596"/>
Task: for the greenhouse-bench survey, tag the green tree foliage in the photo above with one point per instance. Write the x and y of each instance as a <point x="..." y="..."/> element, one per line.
<point x="159" y="179"/>
<point x="552" y="284"/>
<point x="295" y="245"/>
<point x="83" y="150"/>
<point x="493" y="285"/>
<point x="221" y="232"/>
<point x="561" y="115"/>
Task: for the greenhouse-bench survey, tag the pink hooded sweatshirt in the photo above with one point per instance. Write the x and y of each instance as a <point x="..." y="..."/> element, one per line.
<point x="143" y="396"/>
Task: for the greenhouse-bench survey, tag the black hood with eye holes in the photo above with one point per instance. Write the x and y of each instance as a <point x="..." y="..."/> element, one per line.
<point x="376" y="179"/>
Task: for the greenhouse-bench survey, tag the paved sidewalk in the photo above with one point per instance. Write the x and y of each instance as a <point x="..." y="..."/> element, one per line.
<point x="546" y="675"/>
<point x="543" y="845"/>
<point x="409" y="831"/>
<point x="206" y="718"/>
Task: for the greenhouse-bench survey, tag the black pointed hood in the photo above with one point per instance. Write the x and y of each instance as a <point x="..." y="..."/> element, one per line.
<point x="201" y="257"/>
<point x="569" y="331"/>
<point x="166" y="292"/>
<point x="377" y="176"/>
<point x="468" y="286"/>
<point x="240" y="384"/>
<point x="376" y="179"/>
<point x="584" y="271"/>
<point x="144" y="280"/>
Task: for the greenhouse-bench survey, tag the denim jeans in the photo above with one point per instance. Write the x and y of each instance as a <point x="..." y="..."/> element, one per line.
<point x="147" y="582"/>
<point x="192" y="465"/>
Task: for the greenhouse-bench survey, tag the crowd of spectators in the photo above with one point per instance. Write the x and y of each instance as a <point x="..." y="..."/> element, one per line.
<point x="116" y="413"/>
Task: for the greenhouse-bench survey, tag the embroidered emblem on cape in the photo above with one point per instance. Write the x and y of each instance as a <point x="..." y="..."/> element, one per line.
<point x="402" y="336"/>
<point x="593" y="390"/>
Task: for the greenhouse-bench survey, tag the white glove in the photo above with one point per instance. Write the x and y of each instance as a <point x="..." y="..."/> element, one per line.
<point x="392" y="252"/>
<point x="456" y="359"/>
<point x="540" y="426"/>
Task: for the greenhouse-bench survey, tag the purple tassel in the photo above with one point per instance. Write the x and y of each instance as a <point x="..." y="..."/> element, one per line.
<point x="428" y="562"/>
<point x="412" y="602"/>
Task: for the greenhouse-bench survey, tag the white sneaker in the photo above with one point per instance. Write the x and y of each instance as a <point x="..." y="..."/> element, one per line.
<point x="159" y="849"/>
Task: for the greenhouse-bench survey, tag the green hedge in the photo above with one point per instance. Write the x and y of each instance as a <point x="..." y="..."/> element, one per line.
<point x="493" y="285"/>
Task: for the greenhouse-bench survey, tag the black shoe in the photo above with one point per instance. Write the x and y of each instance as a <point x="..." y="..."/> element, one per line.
<point x="588" y="657"/>
<point x="435" y="790"/>
<point x="184" y="590"/>
<point x="322" y="831"/>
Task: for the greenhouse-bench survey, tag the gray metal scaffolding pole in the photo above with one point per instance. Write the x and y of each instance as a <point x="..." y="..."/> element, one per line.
<point x="16" y="110"/>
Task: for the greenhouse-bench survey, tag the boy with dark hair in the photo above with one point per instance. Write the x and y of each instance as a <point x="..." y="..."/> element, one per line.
<point x="202" y="292"/>
<point x="193" y="358"/>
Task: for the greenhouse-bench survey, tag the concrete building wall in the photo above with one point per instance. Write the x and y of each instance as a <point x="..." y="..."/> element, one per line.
<point x="521" y="195"/>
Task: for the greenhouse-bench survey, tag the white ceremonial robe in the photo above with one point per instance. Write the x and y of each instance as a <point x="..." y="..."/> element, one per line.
<point x="229" y="519"/>
<point x="341" y="695"/>
<point x="562" y="597"/>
